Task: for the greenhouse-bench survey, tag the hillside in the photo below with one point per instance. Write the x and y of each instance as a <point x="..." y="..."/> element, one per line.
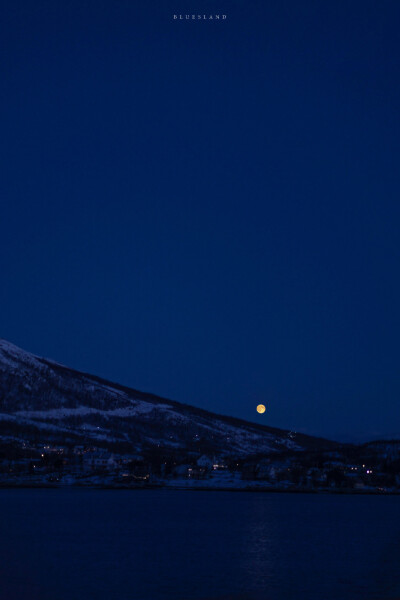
<point x="41" y="401"/>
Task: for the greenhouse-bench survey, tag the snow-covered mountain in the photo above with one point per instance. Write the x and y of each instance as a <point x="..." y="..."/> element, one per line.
<point x="41" y="400"/>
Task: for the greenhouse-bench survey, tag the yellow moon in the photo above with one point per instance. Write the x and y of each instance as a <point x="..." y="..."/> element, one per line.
<point x="261" y="408"/>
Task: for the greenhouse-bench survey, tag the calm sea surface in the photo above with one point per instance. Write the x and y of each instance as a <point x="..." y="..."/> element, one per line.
<point x="178" y="545"/>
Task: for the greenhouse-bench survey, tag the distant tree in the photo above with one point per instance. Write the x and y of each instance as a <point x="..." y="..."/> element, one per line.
<point x="295" y="475"/>
<point x="58" y="464"/>
<point x="336" y="477"/>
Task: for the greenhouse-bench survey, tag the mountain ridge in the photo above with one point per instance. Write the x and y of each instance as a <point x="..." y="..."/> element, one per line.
<point x="40" y="393"/>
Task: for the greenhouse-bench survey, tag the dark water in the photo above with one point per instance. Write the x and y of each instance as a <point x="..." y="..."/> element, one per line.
<point x="172" y="545"/>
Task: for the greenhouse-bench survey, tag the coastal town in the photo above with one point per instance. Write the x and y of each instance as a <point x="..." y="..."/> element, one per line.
<point x="60" y="427"/>
<point x="371" y="468"/>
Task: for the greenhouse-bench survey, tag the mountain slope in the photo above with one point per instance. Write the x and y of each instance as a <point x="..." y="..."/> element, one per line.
<point x="42" y="400"/>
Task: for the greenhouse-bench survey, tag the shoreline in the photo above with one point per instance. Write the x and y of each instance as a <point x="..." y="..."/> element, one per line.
<point x="252" y="489"/>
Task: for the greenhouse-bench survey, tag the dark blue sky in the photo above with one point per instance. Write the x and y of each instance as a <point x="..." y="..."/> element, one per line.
<point x="208" y="210"/>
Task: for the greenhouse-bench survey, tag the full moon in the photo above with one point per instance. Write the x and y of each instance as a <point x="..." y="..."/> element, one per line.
<point x="261" y="408"/>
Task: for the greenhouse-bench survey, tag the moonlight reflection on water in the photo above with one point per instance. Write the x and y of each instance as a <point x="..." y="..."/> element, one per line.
<point x="182" y="545"/>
